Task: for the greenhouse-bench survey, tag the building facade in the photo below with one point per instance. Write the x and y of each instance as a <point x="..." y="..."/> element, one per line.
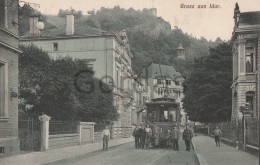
<point x="108" y="54"/>
<point x="163" y="81"/>
<point x="246" y="62"/>
<point x="9" y="42"/>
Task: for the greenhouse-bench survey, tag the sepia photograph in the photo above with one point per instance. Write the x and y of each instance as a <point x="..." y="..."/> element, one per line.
<point x="129" y="82"/>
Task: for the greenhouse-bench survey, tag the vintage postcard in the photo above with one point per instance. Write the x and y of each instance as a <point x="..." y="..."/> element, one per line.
<point x="129" y="82"/>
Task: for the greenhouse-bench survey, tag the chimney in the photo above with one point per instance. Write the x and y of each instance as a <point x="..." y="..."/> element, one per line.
<point x="70" y="23"/>
<point x="34" y="31"/>
<point x="236" y="14"/>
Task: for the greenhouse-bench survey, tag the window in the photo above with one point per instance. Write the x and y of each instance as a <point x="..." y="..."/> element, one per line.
<point x="2" y="13"/>
<point x="55" y="46"/>
<point x="2" y="150"/>
<point x="90" y="66"/>
<point x="250" y="98"/>
<point x="3" y="89"/>
<point x="249" y="59"/>
<point x="168" y="82"/>
<point x="117" y="78"/>
<point x="160" y="91"/>
<point x="177" y="83"/>
<point x="145" y="98"/>
<point x="159" y="81"/>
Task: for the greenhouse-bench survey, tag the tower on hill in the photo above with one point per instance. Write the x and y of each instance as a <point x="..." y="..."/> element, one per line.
<point x="180" y="52"/>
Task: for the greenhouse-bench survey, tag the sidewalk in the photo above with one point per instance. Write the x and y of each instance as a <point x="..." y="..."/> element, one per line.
<point x="49" y="156"/>
<point x="208" y="154"/>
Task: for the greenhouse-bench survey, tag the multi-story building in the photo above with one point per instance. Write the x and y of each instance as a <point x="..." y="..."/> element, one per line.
<point x="9" y="141"/>
<point x="246" y="62"/>
<point x="163" y="81"/>
<point x="108" y="54"/>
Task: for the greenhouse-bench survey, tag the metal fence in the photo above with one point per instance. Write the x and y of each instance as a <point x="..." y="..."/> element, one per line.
<point x="245" y="132"/>
<point x="29" y="134"/>
<point x="99" y="127"/>
<point x="230" y="130"/>
<point x="123" y="131"/>
<point x="62" y="127"/>
<point x="252" y="132"/>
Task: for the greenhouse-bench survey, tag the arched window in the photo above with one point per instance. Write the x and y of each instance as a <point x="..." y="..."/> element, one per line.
<point x="250" y="98"/>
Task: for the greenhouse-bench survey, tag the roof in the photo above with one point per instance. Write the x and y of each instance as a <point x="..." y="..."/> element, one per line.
<point x="248" y="22"/>
<point x="153" y="71"/>
<point x="61" y="31"/>
<point x="180" y="47"/>
<point x="249" y="18"/>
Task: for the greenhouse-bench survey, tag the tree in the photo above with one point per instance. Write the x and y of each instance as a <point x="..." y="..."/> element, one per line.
<point x="48" y="86"/>
<point x="207" y="90"/>
<point x="63" y="13"/>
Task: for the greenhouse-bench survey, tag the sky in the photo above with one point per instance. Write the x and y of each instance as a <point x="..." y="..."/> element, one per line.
<point x="209" y="23"/>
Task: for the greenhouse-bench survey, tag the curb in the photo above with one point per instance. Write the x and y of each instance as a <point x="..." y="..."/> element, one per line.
<point x="201" y="159"/>
<point x="47" y="157"/>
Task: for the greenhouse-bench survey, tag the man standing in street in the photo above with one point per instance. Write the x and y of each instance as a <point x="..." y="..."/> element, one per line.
<point x="187" y="136"/>
<point x="217" y="133"/>
<point x="168" y="138"/>
<point x="138" y="135"/>
<point x="175" y="137"/>
<point x="106" y="137"/>
<point x="143" y="135"/>
<point x="148" y="132"/>
<point x="135" y="136"/>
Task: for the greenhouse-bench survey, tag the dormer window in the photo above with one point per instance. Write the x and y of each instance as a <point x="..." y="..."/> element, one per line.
<point x="159" y="81"/>
<point x="168" y="82"/>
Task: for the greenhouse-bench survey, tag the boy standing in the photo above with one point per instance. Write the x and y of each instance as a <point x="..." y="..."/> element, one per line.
<point x="106" y="138"/>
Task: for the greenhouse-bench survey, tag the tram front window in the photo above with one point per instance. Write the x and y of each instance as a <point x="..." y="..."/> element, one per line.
<point x="162" y="116"/>
<point x="166" y="116"/>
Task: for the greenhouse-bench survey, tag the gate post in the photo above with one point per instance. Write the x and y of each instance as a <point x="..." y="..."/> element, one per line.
<point x="79" y="131"/>
<point x="44" y="132"/>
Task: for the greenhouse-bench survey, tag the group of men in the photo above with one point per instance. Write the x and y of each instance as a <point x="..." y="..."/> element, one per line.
<point x="143" y="135"/>
<point x="174" y="135"/>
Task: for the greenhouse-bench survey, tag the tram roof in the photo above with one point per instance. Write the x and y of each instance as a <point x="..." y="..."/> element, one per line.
<point x="162" y="101"/>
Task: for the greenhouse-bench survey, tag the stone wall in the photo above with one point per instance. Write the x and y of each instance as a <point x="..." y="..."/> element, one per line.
<point x="62" y="140"/>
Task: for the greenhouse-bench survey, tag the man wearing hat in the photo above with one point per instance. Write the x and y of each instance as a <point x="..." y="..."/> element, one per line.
<point x="175" y="134"/>
<point x="187" y="136"/>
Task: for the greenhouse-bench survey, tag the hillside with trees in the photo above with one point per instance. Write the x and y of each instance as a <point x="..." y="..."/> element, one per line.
<point x="150" y="37"/>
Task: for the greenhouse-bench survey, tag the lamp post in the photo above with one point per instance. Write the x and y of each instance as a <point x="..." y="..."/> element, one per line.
<point x="40" y="24"/>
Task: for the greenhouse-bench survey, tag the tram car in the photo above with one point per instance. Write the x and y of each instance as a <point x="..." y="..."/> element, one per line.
<point x="162" y="114"/>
